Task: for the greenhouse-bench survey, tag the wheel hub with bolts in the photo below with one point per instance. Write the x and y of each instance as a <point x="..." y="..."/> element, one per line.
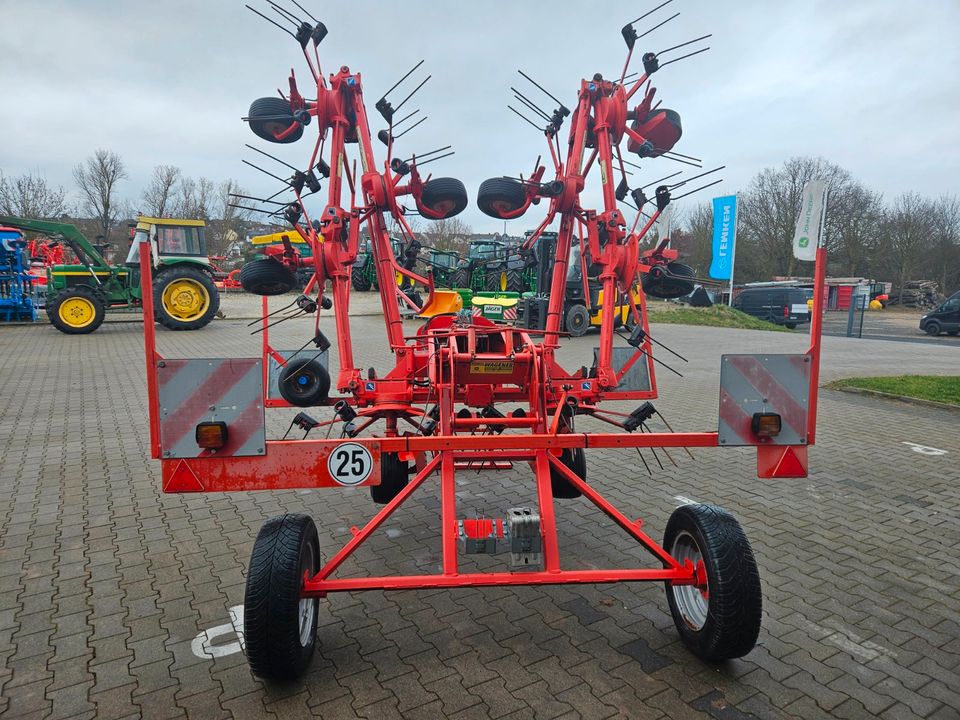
<point x="185" y="299"/>
<point x="77" y="312"/>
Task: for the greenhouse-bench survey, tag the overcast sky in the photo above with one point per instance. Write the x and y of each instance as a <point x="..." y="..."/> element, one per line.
<point x="869" y="84"/>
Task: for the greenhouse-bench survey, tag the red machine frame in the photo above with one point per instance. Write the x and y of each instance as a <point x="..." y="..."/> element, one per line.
<point x="472" y="363"/>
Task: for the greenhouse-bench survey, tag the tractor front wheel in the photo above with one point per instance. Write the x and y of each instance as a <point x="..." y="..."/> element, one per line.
<point x="359" y="279"/>
<point x="718" y="618"/>
<point x="184" y="298"/>
<point x="279" y="626"/>
<point x="76" y="311"/>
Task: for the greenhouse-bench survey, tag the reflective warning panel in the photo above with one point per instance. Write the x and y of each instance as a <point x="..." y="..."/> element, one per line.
<point x="752" y="384"/>
<point x="211" y="390"/>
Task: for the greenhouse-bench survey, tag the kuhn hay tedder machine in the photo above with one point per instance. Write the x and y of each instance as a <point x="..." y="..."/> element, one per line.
<point x="462" y="387"/>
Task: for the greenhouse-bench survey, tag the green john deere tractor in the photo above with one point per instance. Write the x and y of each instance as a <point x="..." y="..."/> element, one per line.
<point x="80" y="294"/>
<point x="363" y="274"/>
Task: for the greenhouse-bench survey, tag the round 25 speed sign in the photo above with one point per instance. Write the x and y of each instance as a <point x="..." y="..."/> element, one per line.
<point x="350" y="464"/>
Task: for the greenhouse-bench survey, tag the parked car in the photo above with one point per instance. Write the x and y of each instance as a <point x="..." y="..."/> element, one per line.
<point x="945" y="318"/>
<point x="781" y="305"/>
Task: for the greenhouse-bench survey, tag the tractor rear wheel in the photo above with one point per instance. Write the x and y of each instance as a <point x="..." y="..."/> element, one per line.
<point x="394" y="476"/>
<point x="279" y="626"/>
<point x="184" y="298"/>
<point x="76" y="311"/>
<point x="720" y="619"/>
<point x="500" y="196"/>
<point x="496" y="279"/>
<point x="577" y="320"/>
<point x="270" y="116"/>
<point x="515" y="281"/>
<point x="267" y="277"/>
<point x="461" y="278"/>
<point x="446" y="196"/>
<point x="358" y="278"/>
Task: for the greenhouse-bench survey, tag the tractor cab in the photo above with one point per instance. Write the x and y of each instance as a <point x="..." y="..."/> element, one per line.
<point x="172" y="242"/>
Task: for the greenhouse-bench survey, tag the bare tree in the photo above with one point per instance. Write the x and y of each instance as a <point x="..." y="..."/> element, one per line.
<point x="97" y="178"/>
<point x="159" y="194"/>
<point x="451" y="234"/>
<point x="944" y="258"/>
<point x="196" y="198"/>
<point x="227" y="225"/>
<point x="906" y="237"/>
<point x="30" y="196"/>
<point x="854" y="217"/>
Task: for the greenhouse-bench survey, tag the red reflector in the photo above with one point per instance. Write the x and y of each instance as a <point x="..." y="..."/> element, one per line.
<point x="786" y="311"/>
<point x="212" y="435"/>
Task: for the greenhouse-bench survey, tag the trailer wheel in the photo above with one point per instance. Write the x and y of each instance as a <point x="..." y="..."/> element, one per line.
<point x="576" y="460"/>
<point x="185" y="298"/>
<point x="280" y="627"/>
<point x="304" y="384"/>
<point x="577" y="320"/>
<point x="76" y="311"/>
<point x="270" y="116"/>
<point x="394" y="476"/>
<point x="360" y="281"/>
<point x="933" y="328"/>
<point x="444" y="195"/>
<point x="721" y="619"/>
<point x="500" y="196"/>
<point x="669" y="282"/>
<point x="267" y="277"/>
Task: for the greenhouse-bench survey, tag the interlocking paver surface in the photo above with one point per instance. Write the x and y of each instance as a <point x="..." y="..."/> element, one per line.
<point x="118" y="601"/>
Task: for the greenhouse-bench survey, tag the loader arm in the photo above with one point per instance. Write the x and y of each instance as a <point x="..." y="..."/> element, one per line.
<point x="86" y="253"/>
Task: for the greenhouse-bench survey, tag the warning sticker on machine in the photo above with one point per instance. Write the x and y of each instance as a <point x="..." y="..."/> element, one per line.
<point x="491" y="367"/>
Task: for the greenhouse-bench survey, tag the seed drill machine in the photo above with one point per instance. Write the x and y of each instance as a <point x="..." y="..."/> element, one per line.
<point x="462" y="387"/>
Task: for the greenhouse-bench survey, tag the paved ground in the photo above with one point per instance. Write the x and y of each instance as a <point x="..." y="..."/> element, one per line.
<point x="117" y="601"/>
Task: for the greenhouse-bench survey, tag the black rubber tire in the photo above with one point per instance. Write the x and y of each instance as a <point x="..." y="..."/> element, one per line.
<point x="933" y="328"/>
<point x="461" y="278"/>
<point x="953" y="332"/>
<point x="267" y="277"/>
<point x="577" y="320"/>
<point x="164" y="278"/>
<point x="790" y="326"/>
<point x="515" y="281"/>
<point x="499" y="196"/>
<point x="78" y="291"/>
<point x="492" y="282"/>
<point x="394" y="476"/>
<point x="285" y="549"/>
<point x="669" y="283"/>
<point x="304" y="384"/>
<point x="735" y="602"/>
<point x="271" y="115"/>
<point x="359" y="280"/>
<point x="445" y="195"/>
<point x="576" y="460"/>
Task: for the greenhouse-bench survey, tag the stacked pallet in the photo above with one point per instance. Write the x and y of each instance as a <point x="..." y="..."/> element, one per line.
<point x="917" y="293"/>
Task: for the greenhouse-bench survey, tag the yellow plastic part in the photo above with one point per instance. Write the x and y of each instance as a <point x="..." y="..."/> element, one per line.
<point x="876" y="305"/>
<point x="442" y="301"/>
<point x="185" y="299"/>
<point x="292" y="235"/>
<point x="77" y="312"/>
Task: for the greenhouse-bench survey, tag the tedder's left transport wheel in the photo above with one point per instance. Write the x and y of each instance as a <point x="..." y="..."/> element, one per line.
<point x="280" y="627"/>
<point x="718" y="619"/>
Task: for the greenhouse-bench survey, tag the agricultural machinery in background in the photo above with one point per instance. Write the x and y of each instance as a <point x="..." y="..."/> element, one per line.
<point x="17" y="285"/>
<point x="463" y="392"/>
<point x="80" y="293"/>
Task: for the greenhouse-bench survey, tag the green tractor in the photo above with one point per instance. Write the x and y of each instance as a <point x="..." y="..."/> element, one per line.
<point x="363" y="274"/>
<point x="497" y="266"/>
<point x="444" y="265"/>
<point x="80" y="294"/>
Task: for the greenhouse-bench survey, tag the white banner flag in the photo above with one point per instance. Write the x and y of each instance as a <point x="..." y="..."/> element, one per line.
<point x="807" y="237"/>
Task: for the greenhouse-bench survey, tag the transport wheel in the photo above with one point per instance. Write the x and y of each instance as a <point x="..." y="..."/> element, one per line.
<point x="577" y="320"/>
<point x="933" y="328"/>
<point x="270" y="116"/>
<point x="280" y="627"/>
<point x="721" y="619"/>
<point x="394" y="476"/>
<point x="669" y="282"/>
<point x="444" y="195"/>
<point x="267" y="277"/>
<point x="184" y="298"/>
<point x="361" y="283"/>
<point x="304" y="383"/>
<point x="76" y="311"/>
<point x="576" y="460"/>
<point x="500" y="196"/>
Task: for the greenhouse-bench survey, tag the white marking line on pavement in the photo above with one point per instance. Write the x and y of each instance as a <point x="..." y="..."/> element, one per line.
<point x="924" y="449"/>
<point x="202" y="645"/>
<point x="849" y="641"/>
<point x="684" y="500"/>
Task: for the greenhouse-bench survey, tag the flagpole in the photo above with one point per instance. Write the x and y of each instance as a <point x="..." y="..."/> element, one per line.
<point x="733" y="255"/>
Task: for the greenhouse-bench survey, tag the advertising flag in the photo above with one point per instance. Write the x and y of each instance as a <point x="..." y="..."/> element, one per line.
<point x="807" y="238"/>
<point x="724" y="236"/>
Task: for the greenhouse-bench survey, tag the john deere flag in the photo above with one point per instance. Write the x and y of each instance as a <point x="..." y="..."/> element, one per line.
<point x="724" y="236"/>
<point x="806" y="239"/>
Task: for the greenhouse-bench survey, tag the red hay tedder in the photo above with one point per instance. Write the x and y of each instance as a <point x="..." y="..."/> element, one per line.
<point x="443" y="405"/>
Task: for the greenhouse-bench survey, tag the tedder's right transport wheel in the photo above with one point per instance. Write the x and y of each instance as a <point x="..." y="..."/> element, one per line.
<point x="501" y="196"/>
<point x="266" y="277"/>
<point x="394" y="476"/>
<point x="280" y="627"/>
<point x="271" y="116"/>
<point x="720" y="618"/>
